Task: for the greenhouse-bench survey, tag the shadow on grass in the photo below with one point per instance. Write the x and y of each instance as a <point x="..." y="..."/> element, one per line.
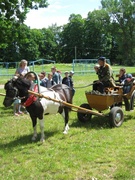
<point x="128" y="117"/>
<point x="6" y="112"/>
<point x="24" y="140"/>
<point x="94" y="123"/>
<point x="98" y="122"/>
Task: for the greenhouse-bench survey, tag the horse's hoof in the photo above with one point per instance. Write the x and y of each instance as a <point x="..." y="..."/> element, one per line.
<point x="42" y="140"/>
<point x="33" y="138"/>
<point x="65" y="132"/>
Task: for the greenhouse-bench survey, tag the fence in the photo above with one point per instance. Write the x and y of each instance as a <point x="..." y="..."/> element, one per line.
<point x="8" y="68"/>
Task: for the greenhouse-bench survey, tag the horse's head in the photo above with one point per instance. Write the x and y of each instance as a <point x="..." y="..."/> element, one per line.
<point x="15" y="88"/>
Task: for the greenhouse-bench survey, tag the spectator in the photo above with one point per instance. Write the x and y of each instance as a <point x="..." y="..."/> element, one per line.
<point x="105" y="76"/>
<point x="43" y="78"/>
<point x="50" y="82"/>
<point x="122" y="75"/>
<point x="55" y="75"/>
<point x="34" y="87"/>
<point x="60" y="76"/>
<point x="67" y="80"/>
<point x="17" y="105"/>
<point x="22" y="69"/>
<point x="127" y="83"/>
<point x="72" y="83"/>
<point x="31" y="77"/>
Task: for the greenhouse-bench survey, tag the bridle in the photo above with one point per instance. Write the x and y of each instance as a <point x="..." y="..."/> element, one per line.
<point x="11" y="90"/>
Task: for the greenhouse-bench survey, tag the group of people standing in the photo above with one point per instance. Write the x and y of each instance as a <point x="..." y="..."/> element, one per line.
<point x="46" y="80"/>
<point x="50" y="79"/>
<point x="102" y="69"/>
<point x="55" y="77"/>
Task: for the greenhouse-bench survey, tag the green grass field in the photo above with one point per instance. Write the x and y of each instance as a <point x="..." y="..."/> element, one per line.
<point x="88" y="152"/>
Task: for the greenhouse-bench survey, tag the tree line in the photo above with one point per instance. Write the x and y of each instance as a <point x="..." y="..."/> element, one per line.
<point x="108" y="32"/>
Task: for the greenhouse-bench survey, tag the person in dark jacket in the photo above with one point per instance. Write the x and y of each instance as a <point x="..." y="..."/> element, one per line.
<point x="105" y="76"/>
<point x="66" y="80"/>
<point x="50" y="82"/>
<point x="55" y="75"/>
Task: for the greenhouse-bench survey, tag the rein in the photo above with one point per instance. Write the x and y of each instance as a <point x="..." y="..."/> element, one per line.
<point x="85" y="86"/>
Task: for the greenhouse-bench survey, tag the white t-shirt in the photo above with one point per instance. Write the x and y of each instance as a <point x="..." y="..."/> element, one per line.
<point x="23" y="71"/>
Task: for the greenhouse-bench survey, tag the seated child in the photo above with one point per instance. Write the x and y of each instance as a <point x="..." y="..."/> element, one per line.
<point x="127" y="83"/>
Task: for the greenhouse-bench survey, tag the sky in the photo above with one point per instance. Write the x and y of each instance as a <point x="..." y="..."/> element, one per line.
<point x="59" y="11"/>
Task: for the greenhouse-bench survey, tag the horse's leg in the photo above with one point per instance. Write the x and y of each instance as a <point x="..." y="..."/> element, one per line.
<point x="34" y="122"/>
<point x="42" y="139"/>
<point x="65" y="114"/>
<point x="34" y="137"/>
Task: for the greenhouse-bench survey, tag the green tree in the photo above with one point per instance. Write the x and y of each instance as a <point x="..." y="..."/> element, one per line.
<point x="122" y="17"/>
<point x="48" y="44"/>
<point x="16" y="10"/>
<point x="12" y="15"/>
<point x="96" y="34"/>
<point x="28" y="43"/>
<point x="71" y="38"/>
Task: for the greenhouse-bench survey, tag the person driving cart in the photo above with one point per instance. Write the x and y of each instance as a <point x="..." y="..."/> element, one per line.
<point x="105" y="76"/>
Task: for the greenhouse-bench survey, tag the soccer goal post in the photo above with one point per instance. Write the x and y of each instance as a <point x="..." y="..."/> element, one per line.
<point x="84" y="66"/>
<point x="42" y="62"/>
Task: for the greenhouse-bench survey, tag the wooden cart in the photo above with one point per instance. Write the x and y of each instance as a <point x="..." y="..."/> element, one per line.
<point x="113" y="100"/>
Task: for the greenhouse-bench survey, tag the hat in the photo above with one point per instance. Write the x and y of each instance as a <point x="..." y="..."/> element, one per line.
<point x="129" y="75"/>
<point x="71" y="72"/>
<point x="66" y="72"/>
<point x="53" y="67"/>
<point x="101" y="58"/>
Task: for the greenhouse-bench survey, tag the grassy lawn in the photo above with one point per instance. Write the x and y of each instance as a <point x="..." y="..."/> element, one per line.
<point x="88" y="152"/>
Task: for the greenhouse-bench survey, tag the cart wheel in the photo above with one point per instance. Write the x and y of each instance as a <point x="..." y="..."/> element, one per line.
<point x="84" y="117"/>
<point x="116" y="117"/>
<point x="132" y="100"/>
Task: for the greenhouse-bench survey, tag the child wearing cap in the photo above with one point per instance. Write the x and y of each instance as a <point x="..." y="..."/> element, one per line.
<point x="66" y="80"/>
